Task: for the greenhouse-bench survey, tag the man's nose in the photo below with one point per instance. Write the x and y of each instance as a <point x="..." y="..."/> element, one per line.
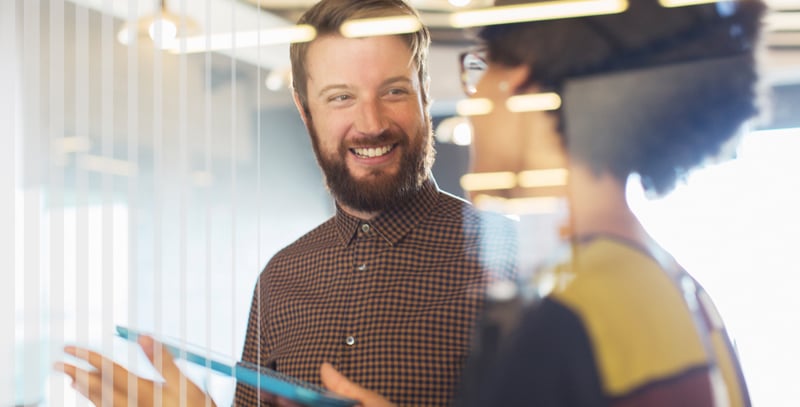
<point x="371" y="118"/>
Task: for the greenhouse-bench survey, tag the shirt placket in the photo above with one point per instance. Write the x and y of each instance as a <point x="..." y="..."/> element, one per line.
<point x="364" y="247"/>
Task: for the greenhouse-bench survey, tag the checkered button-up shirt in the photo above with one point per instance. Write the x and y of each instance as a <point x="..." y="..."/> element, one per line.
<point x="390" y="302"/>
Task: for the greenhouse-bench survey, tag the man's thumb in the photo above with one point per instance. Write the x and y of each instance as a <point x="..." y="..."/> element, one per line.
<point x="339" y="384"/>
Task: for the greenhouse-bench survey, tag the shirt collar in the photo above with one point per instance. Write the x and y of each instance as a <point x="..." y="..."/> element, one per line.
<point x="394" y="223"/>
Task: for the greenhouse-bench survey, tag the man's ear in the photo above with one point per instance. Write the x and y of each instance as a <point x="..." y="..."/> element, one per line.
<point x="300" y="109"/>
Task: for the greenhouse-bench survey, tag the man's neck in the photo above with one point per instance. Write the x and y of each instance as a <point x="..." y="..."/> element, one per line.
<point x="369" y="215"/>
<point x="363" y="215"/>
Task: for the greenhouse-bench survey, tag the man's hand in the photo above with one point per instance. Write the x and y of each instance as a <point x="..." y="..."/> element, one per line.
<point x="175" y="390"/>
<point x="337" y="383"/>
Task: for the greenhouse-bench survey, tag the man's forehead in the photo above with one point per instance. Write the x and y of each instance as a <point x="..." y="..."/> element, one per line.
<point x="329" y="46"/>
<point x="335" y="58"/>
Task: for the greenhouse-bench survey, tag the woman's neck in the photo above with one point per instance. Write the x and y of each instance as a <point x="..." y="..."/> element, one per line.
<point x="598" y="206"/>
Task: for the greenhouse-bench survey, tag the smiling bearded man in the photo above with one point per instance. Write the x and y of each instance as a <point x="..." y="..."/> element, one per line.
<point x="388" y="289"/>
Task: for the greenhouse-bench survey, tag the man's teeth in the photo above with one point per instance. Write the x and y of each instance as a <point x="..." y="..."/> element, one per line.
<point x="372" y="152"/>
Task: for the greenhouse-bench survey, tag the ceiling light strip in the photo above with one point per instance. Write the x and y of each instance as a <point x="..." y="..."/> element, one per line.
<point x="107" y="165"/>
<point x="551" y="177"/>
<point x="244" y="39"/>
<point x="485" y="181"/>
<point x="533" y="102"/>
<point x="369" y="27"/>
<point x="685" y="3"/>
<point x="474" y="107"/>
<point x="782" y="21"/>
<point x="66" y="145"/>
<point x="550" y="10"/>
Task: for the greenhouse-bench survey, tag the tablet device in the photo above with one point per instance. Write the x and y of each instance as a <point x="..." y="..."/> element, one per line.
<point x="264" y="379"/>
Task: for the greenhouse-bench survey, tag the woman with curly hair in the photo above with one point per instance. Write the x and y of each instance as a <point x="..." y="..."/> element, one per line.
<point x="651" y="91"/>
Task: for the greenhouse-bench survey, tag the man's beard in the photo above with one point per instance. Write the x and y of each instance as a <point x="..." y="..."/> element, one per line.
<point x="378" y="191"/>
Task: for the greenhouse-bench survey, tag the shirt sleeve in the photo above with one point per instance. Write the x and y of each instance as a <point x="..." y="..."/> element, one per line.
<point x="547" y="361"/>
<point x="255" y="349"/>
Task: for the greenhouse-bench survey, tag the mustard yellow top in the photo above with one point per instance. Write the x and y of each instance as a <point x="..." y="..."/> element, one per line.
<point x="639" y="319"/>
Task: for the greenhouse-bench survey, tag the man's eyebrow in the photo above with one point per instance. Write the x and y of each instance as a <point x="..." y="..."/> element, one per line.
<point x="388" y="81"/>
<point x="396" y="79"/>
<point x="331" y="87"/>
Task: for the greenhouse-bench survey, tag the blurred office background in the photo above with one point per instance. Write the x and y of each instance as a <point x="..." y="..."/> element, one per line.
<point x="146" y="183"/>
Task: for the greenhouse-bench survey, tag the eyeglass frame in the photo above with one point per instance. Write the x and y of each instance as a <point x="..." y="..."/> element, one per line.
<point x="479" y="54"/>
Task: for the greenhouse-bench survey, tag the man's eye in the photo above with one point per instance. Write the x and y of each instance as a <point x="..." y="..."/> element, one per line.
<point x="398" y="91"/>
<point x="339" y="98"/>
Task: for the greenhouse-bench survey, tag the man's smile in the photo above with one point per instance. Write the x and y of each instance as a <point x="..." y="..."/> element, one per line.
<point x="372" y="152"/>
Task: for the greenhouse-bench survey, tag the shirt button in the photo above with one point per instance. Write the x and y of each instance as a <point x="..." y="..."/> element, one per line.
<point x="362" y="267"/>
<point x="365" y="228"/>
<point x="350" y="341"/>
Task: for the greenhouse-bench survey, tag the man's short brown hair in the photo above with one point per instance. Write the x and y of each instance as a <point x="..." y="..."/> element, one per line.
<point x="327" y="17"/>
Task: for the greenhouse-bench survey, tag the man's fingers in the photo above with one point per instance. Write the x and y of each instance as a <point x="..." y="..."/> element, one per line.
<point x="68" y="369"/>
<point x="337" y="383"/>
<point x="105" y="393"/>
<point x="87" y="383"/>
<point x="165" y="364"/>
<point x="176" y="386"/>
<point x="120" y="374"/>
<point x="114" y="380"/>
<point x="90" y="385"/>
<point x="282" y="402"/>
<point x="95" y="359"/>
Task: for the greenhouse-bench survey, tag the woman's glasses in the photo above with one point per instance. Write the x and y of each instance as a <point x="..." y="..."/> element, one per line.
<point x="473" y="66"/>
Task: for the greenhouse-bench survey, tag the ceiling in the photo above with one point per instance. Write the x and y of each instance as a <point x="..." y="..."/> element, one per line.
<point x="219" y="16"/>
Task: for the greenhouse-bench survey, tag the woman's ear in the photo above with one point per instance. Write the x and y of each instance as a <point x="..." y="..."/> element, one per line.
<point x="516" y="76"/>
